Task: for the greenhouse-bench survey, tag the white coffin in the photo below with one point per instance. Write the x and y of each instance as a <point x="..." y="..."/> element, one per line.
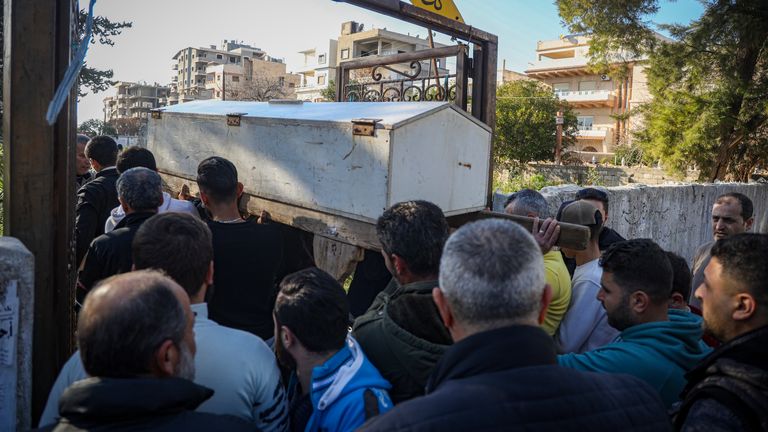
<point x="306" y="155"/>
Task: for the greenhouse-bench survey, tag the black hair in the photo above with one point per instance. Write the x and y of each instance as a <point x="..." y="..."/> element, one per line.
<point x="179" y="244"/>
<point x="743" y="257"/>
<point x="640" y="265"/>
<point x="102" y="149"/>
<point x="593" y="194"/>
<point x="746" y="204"/>
<point x="530" y="201"/>
<point x="415" y="231"/>
<point x="133" y="157"/>
<point x="314" y="306"/>
<point x="681" y="275"/>
<point x="122" y="342"/>
<point x="82" y="139"/>
<point x="217" y="178"/>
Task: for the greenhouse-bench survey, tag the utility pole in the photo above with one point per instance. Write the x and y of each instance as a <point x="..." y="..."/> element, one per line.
<point x="223" y="83"/>
<point x="559" y="137"/>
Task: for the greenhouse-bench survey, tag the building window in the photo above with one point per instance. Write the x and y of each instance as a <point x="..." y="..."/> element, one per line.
<point x="321" y="80"/>
<point x="232" y="59"/>
<point x="321" y="59"/>
<point x="235" y="79"/>
<point x="585" y="122"/>
<point x="202" y="55"/>
<point x="587" y="85"/>
<point x="218" y="77"/>
<point x="218" y="56"/>
<point x="281" y="81"/>
<point x="561" y="87"/>
<point x="291" y="85"/>
<point x="345" y="53"/>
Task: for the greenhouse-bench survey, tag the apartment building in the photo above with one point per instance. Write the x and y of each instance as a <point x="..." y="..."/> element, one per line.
<point x="134" y="100"/>
<point x="253" y="80"/>
<point x="190" y="75"/>
<point x="317" y="71"/>
<point x="599" y="101"/>
<point x="354" y="42"/>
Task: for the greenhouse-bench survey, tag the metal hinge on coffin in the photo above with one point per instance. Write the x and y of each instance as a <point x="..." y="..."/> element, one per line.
<point x="233" y="119"/>
<point x="364" y="127"/>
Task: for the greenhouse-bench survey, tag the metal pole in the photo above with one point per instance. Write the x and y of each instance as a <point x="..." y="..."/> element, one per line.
<point x="559" y="137"/>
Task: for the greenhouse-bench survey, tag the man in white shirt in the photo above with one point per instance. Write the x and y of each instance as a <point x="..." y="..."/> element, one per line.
<point x="585" y="326"/>
<point x="133" y="157"/>
<point x="237" y="365"/>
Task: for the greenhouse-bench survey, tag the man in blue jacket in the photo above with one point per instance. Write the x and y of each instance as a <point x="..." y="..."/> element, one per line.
<point x="657" y="344"/>
<point x="334" y="387"/>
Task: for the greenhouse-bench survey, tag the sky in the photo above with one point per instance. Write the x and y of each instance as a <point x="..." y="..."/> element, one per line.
<point x="284" y="27"/>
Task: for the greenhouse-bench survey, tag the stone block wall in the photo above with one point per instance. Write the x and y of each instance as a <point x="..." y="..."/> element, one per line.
<point x="606" y="175"/>
<point x="677" y="217"/>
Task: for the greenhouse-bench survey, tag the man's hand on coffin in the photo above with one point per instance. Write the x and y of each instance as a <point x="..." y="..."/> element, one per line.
<point x="547" y="234"/>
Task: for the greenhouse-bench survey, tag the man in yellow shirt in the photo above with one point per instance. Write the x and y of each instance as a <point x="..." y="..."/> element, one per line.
<point x="530" y="203"/>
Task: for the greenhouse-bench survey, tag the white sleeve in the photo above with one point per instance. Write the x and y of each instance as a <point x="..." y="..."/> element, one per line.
<point x="580" y="320"/>
<point x="71" y="371"/>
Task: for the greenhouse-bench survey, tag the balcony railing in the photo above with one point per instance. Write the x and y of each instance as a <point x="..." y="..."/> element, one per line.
<point x="585" y="95"/>
<point x="589" y="132"/>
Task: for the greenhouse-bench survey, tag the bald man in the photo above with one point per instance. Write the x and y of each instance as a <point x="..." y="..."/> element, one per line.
<point x="137" y="344"/>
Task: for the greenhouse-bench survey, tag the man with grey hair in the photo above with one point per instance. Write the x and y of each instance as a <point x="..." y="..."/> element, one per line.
<point x="529" y="203"/>
<point x="136" y="340"/>
<point x="501" y="373"/>
<point x="140" y="192"/>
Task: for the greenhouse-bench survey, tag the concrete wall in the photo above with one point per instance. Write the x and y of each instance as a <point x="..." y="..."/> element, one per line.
<point x="16" y="309"/>
<point x="607" y="175"/>
<point x="675" y="216"/>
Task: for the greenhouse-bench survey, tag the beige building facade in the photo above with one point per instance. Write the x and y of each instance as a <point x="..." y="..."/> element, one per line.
<point x="253" y="80"/>
<point x="355" y="42"/>
<point x="317" y="71"/>
<point x="600" y="102"/>
<point x="134" y="100"/>
<point x="239" y="62"/>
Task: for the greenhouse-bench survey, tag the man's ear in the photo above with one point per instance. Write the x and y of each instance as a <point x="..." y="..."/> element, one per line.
<point x="209" y="274"/>
<point x="166" y="360"/>
<point x="204" y="198"/>
<point x="446" y="314"/>
<point x="401" y="267"/>
<point x="239" y="189"/>
<point x="639" y="302"/>
<point x="676" y="301"/>
<point x="746" y="307"/>
<point x="287" y="337"/>
<point x="546" y="298"/>
<point x="123" y="204"/>
<point x="748" y="223"/>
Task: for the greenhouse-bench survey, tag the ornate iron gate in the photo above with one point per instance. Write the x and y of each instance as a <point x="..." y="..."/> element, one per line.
<point x="379" y="79"/>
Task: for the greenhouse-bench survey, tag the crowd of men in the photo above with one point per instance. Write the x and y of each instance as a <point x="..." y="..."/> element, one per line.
<point x="195" y="316"/>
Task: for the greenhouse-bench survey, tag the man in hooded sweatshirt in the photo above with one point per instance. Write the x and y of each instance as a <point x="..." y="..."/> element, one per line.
<point x="657" y="344"/>
<point x="333" y="386"/>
